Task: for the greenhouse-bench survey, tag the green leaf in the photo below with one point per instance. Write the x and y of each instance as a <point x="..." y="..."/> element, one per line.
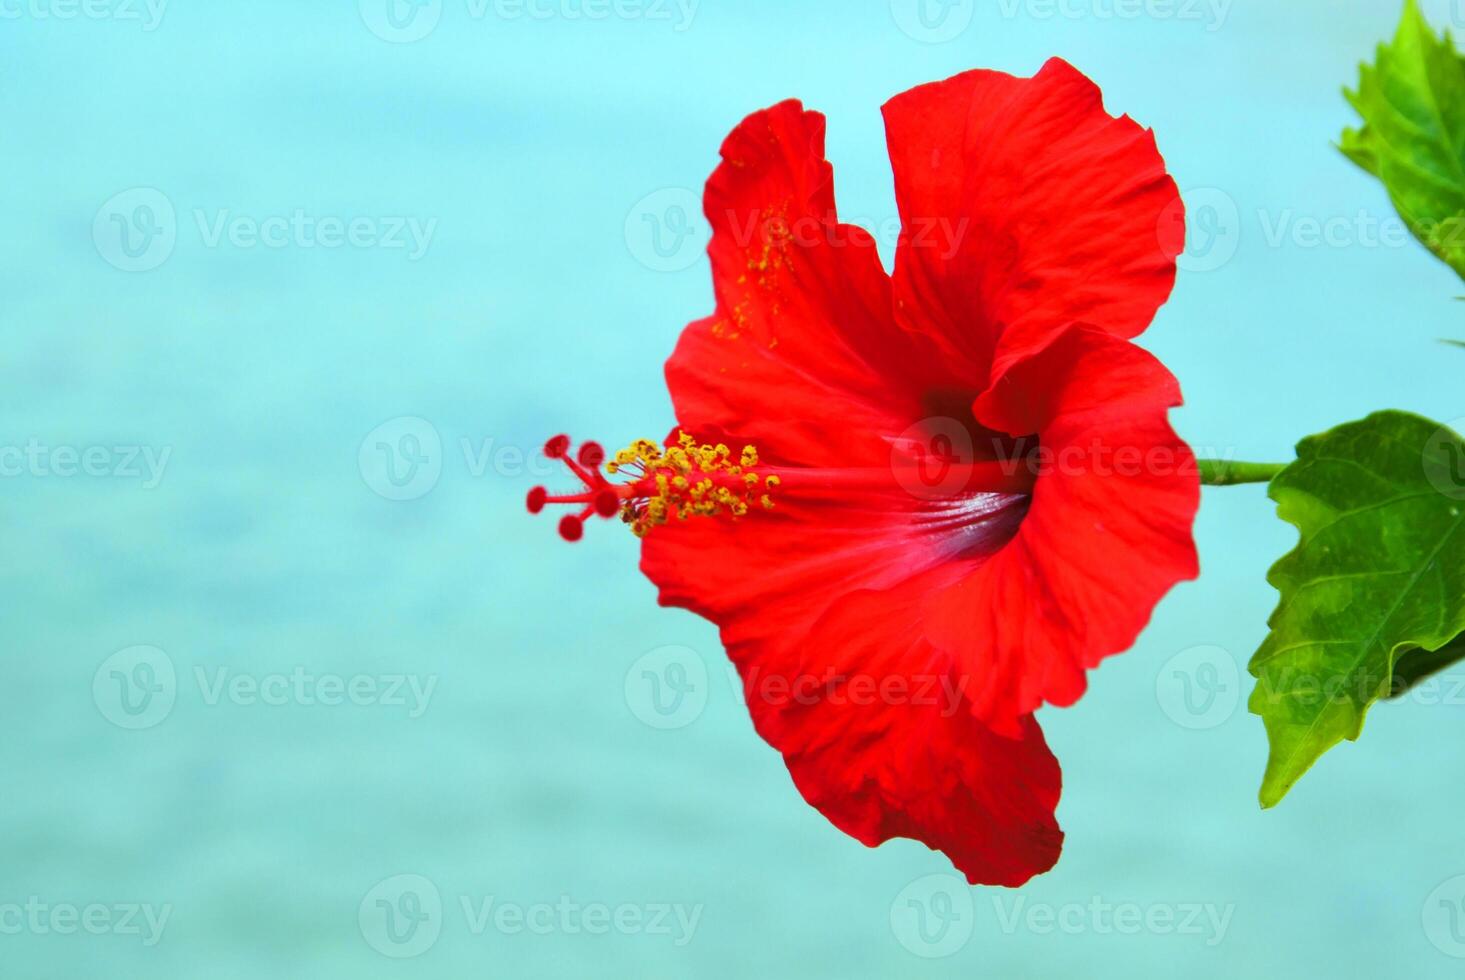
<point x="1379" y="573"/>
<point x="1412" y="101"/>
<point x="1418" y="666"/>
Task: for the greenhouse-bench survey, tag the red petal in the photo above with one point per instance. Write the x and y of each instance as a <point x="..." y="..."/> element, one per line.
<point x="871" y="718"/>
<point x="885" y="745"/>
<point x="1026" y="206"/>
<point x="797" y="358"/>
<point x="1108" y="532"/>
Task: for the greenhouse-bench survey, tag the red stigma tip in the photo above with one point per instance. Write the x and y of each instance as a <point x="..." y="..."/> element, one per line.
<point x="607" y="504"/>
<point x="557" y="447"/>
<point x="537" y="499"/>
<point x="592" y="454"/>
<point x="572" y="528"/>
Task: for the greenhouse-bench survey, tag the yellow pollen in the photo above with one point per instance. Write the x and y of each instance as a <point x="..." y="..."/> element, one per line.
<point x="689" y="479"/>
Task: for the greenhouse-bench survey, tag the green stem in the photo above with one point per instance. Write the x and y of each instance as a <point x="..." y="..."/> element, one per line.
<point x="1229" y="473"/>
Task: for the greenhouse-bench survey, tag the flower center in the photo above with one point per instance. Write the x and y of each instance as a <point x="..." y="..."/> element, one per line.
<point x="686" y="479"/>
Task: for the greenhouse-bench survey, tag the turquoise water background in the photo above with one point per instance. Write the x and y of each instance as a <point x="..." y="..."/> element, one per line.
<point x="288" y="669"/>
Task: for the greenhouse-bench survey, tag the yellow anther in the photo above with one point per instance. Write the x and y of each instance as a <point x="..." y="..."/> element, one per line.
<point x="687" y="479"/>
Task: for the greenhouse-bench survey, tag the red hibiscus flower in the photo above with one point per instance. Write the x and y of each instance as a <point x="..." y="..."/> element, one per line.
<point x="921" y="506"/>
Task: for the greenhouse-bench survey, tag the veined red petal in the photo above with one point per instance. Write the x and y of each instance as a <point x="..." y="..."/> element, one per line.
<point x="879" y="737"/>
<point x="1108" y="532"/>
<point x="802" y="357"/>
<point x="1054" y="212"/>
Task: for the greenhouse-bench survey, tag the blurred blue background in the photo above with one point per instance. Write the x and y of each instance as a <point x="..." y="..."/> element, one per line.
<point x="291" y="293"/>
